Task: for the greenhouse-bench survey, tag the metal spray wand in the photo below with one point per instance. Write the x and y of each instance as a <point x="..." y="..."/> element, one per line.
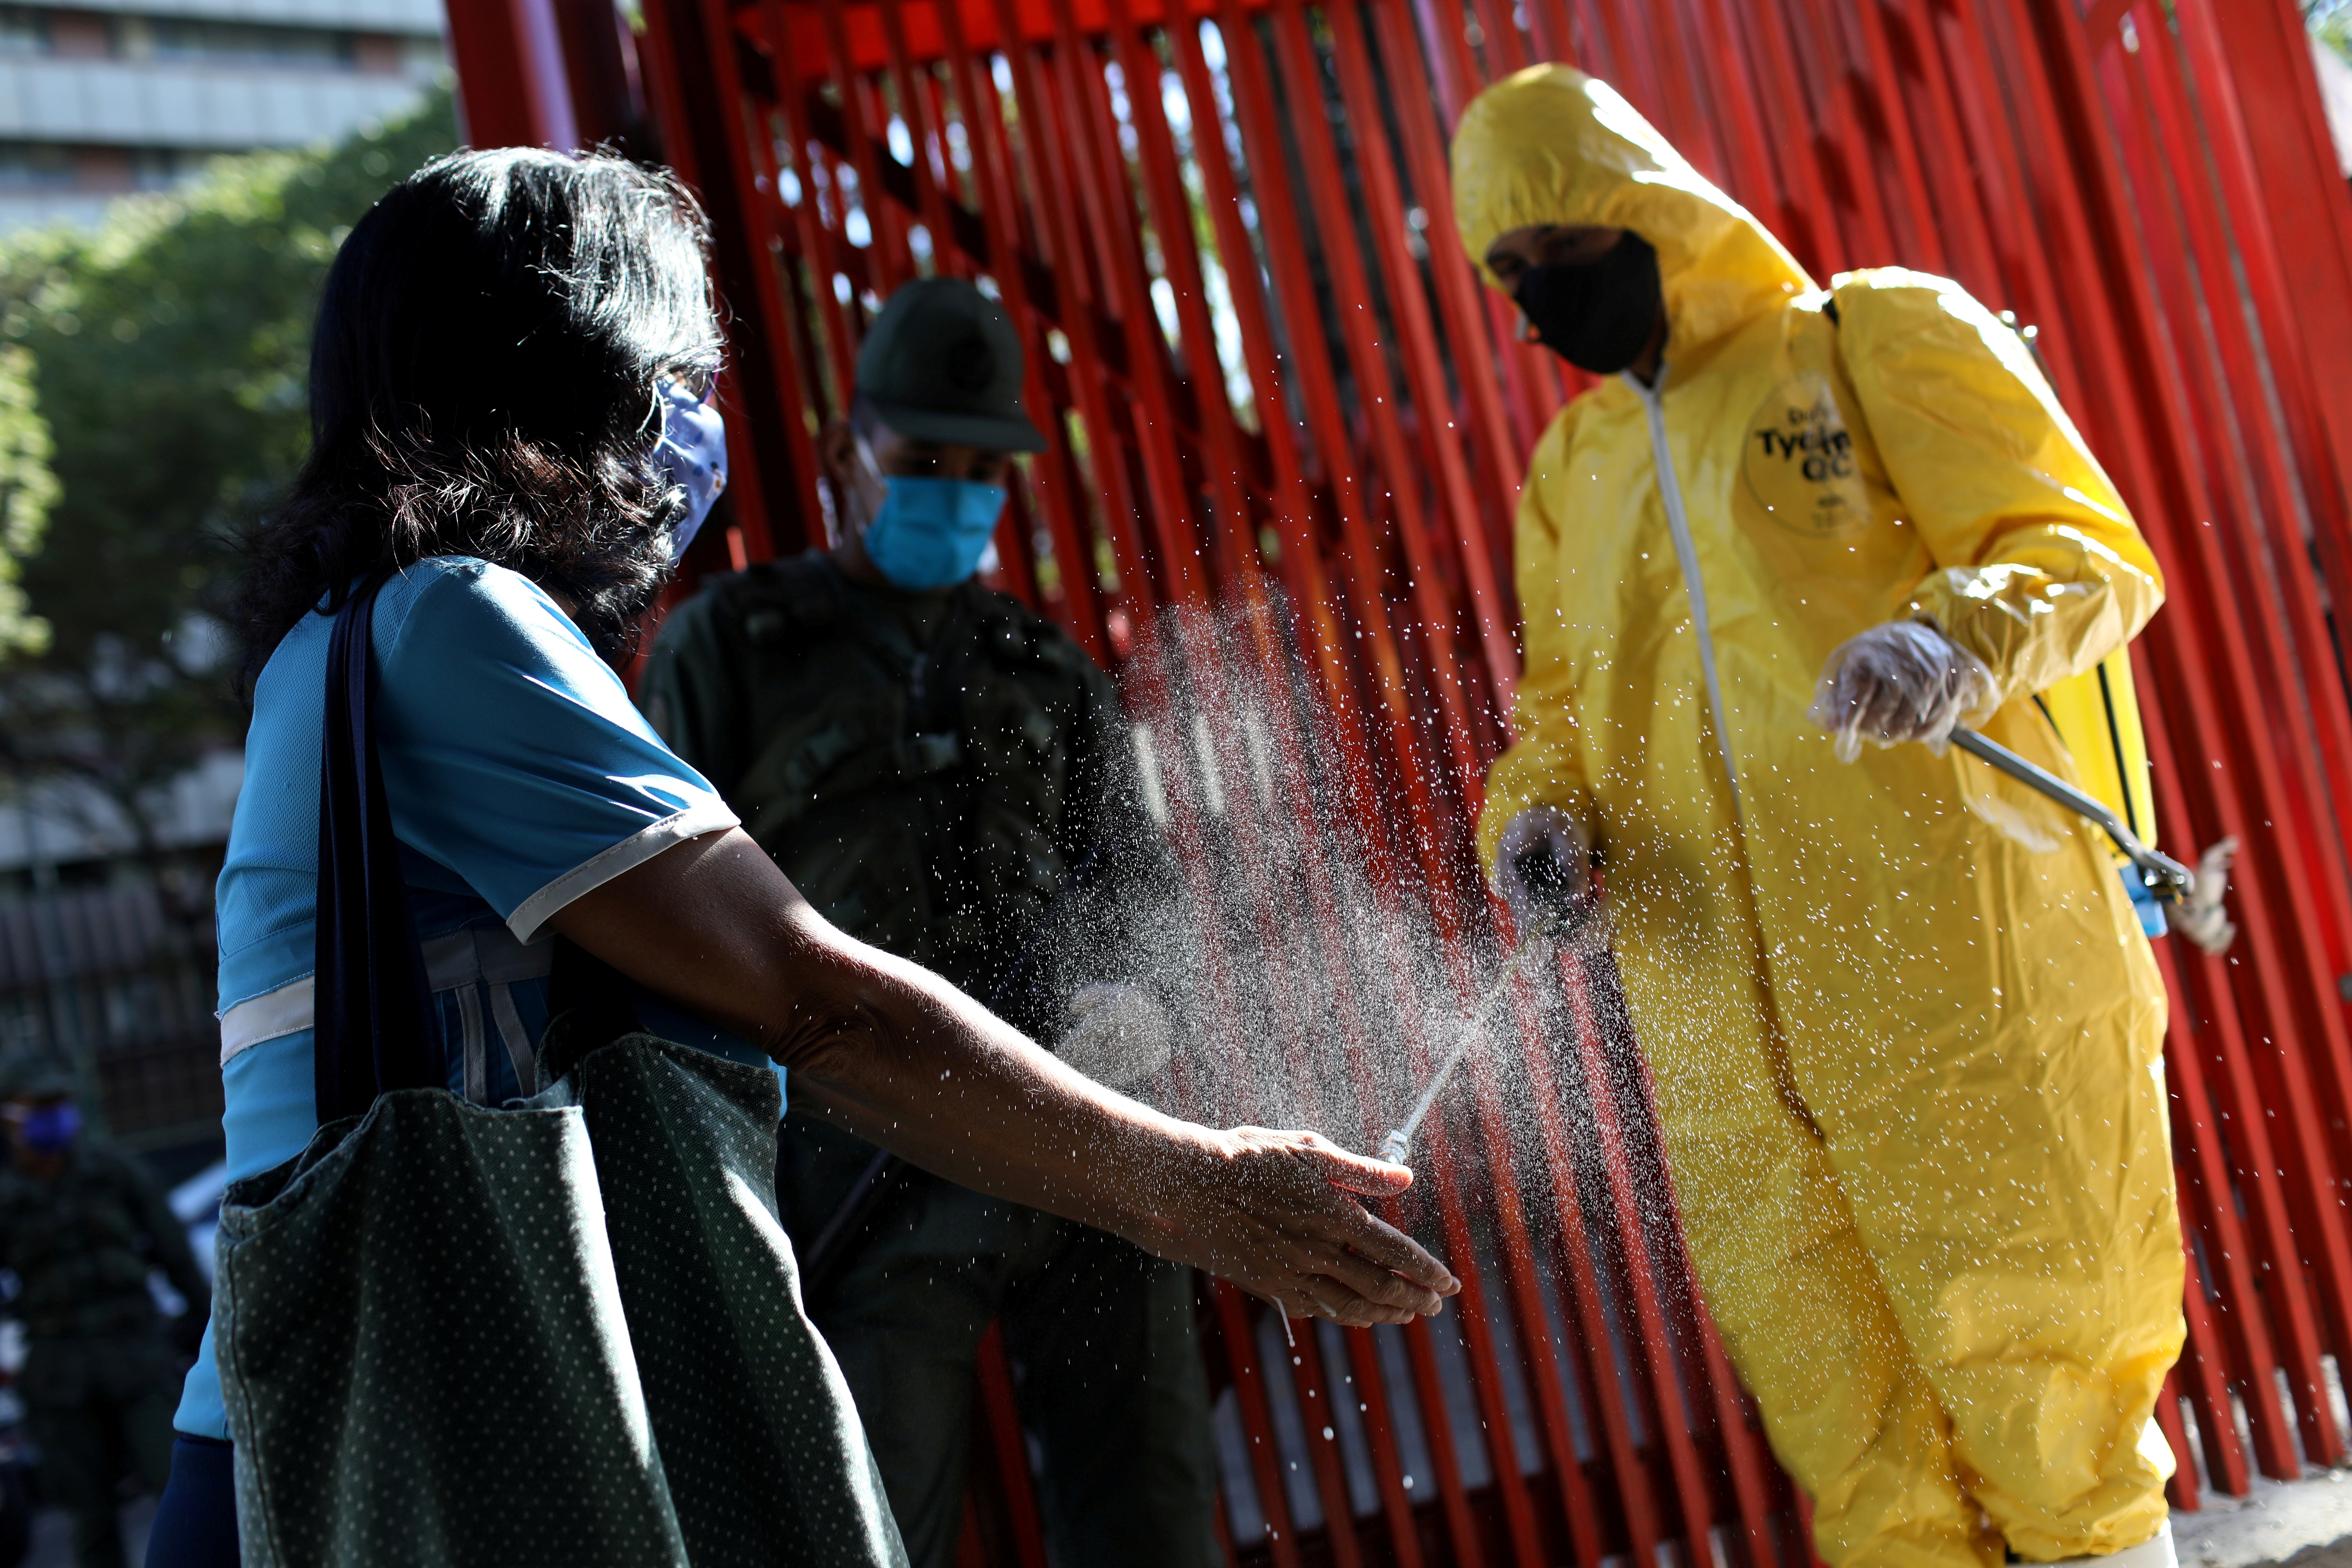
<point x="1560" y="918"/>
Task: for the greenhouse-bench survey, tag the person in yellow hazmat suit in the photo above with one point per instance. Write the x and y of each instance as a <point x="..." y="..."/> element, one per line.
<point x="1903" y="1024"/>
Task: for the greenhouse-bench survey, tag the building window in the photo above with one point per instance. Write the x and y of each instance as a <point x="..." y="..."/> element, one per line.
<point x="163" y="168"/>
<point x="23" y="31"/>
<point x="183" y="41"/>
<point x="36" y="166"/>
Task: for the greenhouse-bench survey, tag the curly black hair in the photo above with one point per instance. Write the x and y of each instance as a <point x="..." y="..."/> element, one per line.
<point x="482" y="384"/>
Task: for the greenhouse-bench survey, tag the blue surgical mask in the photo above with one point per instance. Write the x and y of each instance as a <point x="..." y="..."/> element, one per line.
<point x="52" y="1129"/>
<point x="930" y="533"/>
<point x="693" y="451"/>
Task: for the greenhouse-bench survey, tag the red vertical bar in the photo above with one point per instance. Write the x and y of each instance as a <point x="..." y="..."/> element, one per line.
<point x="891" y="222"/>
<point x="1270" y="183"/>
<point x="703" y="131"/>
<point x="1380" y="1436"/>
<point x="2015" y="226"/>
<point x="2225" y="1457"/>
<point x="1103" y="174"/>
<point x="817" y="241"/>
<point x="1607" y="1030"/>
<point x="1486" y="1367"/>
<point x="1789" y="188"/>
<point x="1302" y="567"/>
<point x="1051" y="474"/>
<point x="923" y="132"/>
<point x="2308" y="208"/>
<point x="2182" y="1489"/>
<point x="1451" y="63"/>
<point x="1301" y="554"/>
<point x="1666" y="98"/>
<point x="1846" y="146"/>
<point x="2188" y="675"/>
<point x="1417" y="336"/>
<point x="504" y="94"/>
<point x="2152" y="98"/>
<point x="1020" y="1499"/>
<point x="1468" y="330"/>
<point x="1712" y="1379"/>
<point x="859" y="129"/>
<point x="2061" y="111"/>
<point x="1924" y="92"/>
<point x="1908" y="195"/>
<point x="1499" y="32"/>
<point x="1172" y="224"/>
<point x="1300" y="69"/>
<point x="1545" y="1374"/>
<point x="1249" y="1390"/>
<point x="1368" y="359"/>
<point x="758" y="278"/>
<point x="1600" y="1389"/>
<point x="2202" y="1040"/>
<point x="1429" y="1395"/>
<point x="1316" y="1420"/>
<point x="1040" y="123"/>
<point x="2247" y="218"/>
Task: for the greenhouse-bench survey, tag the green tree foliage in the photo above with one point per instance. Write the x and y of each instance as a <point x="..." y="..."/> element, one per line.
<point x="166" y="353"/>
<point x="2331" y="22"/>
<point x="27" y="488"/>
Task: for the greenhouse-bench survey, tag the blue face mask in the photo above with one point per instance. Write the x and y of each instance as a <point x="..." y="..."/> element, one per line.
<point x="931" y="533"/>
<point x="693" y="452"/>
<point x="52" y="1129"/>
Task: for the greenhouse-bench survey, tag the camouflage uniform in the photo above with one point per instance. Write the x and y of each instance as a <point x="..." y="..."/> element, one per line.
<point x="946" y="775"/>
<point x="98" y="1381"/>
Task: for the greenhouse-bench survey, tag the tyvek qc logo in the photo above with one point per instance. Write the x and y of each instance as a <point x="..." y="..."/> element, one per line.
<point x="1799" y="461"/>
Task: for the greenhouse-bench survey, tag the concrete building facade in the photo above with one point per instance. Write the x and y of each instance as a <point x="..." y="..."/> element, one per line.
<point x="110" y="96"/>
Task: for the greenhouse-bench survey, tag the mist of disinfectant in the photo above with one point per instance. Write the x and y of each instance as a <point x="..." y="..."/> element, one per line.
<point x="1297" y="946"/>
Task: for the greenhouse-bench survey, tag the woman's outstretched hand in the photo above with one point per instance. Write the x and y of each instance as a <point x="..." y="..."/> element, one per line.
<point x="1272" y="1212"/>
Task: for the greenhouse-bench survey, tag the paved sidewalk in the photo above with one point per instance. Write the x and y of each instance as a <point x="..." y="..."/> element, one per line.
<point x="2307" y="1523"/>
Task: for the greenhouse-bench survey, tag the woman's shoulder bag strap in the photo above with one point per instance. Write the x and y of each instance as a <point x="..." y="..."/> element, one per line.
<point x="375" y="1012"/>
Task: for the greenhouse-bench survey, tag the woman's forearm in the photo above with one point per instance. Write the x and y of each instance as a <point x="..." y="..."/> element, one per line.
<point x="899" y="1056"/>
<point x="892" y="1053"/>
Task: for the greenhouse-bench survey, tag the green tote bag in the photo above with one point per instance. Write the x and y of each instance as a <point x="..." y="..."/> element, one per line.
<point x="563" y="1334"/>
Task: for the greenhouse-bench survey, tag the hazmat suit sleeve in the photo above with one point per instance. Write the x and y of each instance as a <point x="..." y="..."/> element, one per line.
<point x="2039" y="571"/>
<point x="1545" y="764"/>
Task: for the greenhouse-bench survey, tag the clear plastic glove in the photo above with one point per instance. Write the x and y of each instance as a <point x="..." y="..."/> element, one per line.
<point x="1541" y="828"/>
<point x="1902" y="682"/>
<point x="2200" y="917"/>
<point x="1120" y="1036"/>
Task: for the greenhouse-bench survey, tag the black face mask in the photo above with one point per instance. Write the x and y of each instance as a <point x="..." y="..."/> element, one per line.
<point x="1598" y="316"/>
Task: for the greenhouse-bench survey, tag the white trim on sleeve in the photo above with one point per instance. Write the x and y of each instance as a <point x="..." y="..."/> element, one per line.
<point x="288" y="1010"/>
<point x="529" y="921"/>
<point x="456" y="960"/>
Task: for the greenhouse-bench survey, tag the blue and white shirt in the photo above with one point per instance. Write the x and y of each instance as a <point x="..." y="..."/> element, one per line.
<point x="520" y="776"/>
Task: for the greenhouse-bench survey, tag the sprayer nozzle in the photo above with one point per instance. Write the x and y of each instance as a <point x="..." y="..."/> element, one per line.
<point x="1394" y="1147"/>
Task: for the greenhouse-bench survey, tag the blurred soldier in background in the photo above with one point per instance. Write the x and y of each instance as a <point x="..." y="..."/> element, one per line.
<point x="946" y="774"/>
<point x="82" y="1224"/>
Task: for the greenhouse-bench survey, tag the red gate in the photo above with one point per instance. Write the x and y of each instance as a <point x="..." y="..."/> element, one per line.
<point x="1282" y="405"/>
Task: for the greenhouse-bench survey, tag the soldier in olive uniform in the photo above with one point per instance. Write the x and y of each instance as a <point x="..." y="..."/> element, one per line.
<point x="948" y="776"/>
<point x="81" y="1227"/>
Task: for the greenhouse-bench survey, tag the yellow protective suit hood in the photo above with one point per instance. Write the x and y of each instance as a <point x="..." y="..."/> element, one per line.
<point x="1552" y="145"/>
<point x="1902" y="1024"/>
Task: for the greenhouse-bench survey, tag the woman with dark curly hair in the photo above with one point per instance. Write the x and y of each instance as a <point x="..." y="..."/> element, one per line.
<point x="508" y="396"/>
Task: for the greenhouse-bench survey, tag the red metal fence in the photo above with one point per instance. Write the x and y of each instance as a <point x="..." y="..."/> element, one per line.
<point x="1281" y="404"/>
